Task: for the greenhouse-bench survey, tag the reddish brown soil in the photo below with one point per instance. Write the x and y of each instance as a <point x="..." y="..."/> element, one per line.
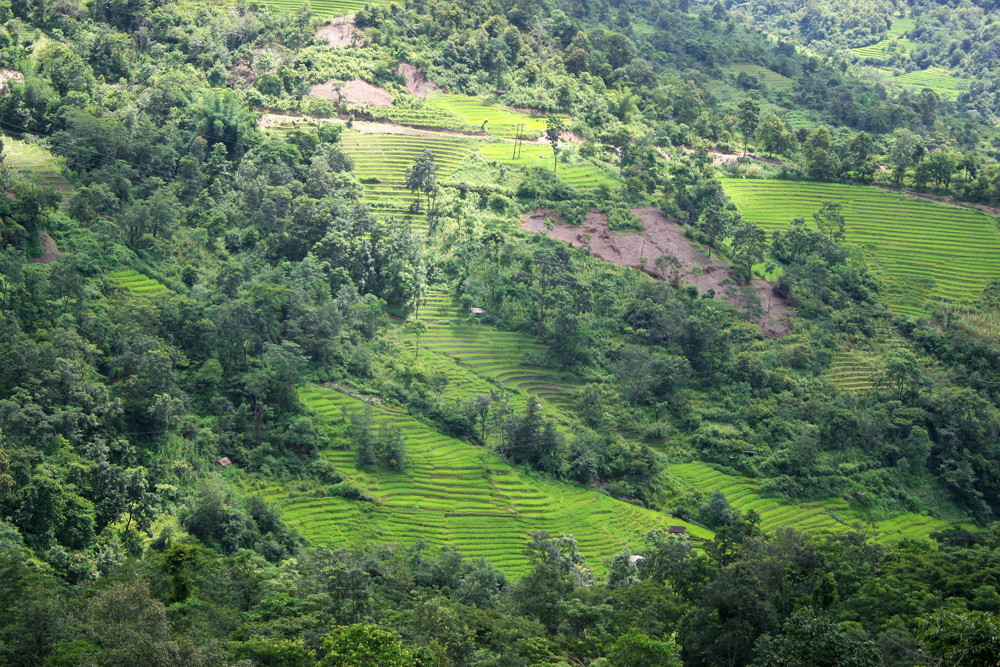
<point x="355" y="93"/>
<point x="662" y="237"/>
<point x="50" y="251"/>
<point x="340" y="33"/>
<point x="417" y="83"/>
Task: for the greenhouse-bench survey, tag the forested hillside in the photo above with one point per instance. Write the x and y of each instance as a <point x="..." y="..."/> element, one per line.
<point x="497" y="333"/>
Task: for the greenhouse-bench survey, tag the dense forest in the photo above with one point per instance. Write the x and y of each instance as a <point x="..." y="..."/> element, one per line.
<point x="270" y="268"/>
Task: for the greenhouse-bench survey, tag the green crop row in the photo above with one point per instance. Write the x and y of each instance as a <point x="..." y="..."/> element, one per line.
<point x="40" y="163"/>
<point x="926" y="251"/>
<point x="456" y="495"/>
<point x="581" y="174"/>
<point x="771" y="78"/>
<point x="323" y="8"/>
<point x="136" y="282"/>
<point x="831" y="516"/>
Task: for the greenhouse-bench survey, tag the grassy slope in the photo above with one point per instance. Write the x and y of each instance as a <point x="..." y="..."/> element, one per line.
<point x="927" y="251"/>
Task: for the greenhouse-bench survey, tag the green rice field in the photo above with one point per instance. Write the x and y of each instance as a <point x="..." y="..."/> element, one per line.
<point x="892" y="43"/>
<point x="582" y="175"/>
<point x="386" y="157"/>
<point x="453" y="494"/>
<point x="500" y="121"/>
<point x="463" y="113"/>
<point x="489" y="352"/>
<point x="770" y="78"/>
<point x="324" y="8"/>
<point x="826" y="517"/>
<point x="852" y="371"/>
<point x="925" y="251"/>
<point x="37" y="161"/>
<point x="137" y="283"/>
<point x="937" y="79"/>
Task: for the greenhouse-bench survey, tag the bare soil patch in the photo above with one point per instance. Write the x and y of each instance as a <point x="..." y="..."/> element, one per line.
<point x="339" y="33"/>
<point x="723" y="156"/>
<point x="664" y="237"/>
<point x="417" y="83"/>
<point x="357" y="92"/>
<point x="50" y="251"/>
<point x="6" y="76"/>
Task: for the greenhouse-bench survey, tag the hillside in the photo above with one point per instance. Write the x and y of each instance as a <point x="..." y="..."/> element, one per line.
<point x="469" y="334"/>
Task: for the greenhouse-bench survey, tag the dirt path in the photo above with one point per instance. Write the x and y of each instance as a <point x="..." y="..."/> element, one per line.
<point x="50" y="251"/>
<point x="337" y="33"/>
<point x="664" y="237"/>
<point x="417" y="83"/>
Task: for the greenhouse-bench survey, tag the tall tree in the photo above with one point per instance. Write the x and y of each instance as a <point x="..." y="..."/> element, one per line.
<point x="747" y="119"/>
<point x="830" y="221"/>
<point x="635" y="375"/>
<point x="749" y="243"/>
<point x="553" y="131"/>
<point x="421" y="176"/>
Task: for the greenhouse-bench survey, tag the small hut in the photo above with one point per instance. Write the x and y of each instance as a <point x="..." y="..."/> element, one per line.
<point x="224" y="461"/>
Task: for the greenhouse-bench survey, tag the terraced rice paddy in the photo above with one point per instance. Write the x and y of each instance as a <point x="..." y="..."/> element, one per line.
<point x="462" y="113"/>
<point x="852" y="371"/>
<point x="937" y="79"/>
<point x="137" y="283"/>
<point x="37" y="161"/>
<point x="827" y="517"/>
<point x="770" y="78"/>
<point x="894" y="41"/>
<point x="490" y="352"/>
<point x="457" y="495"/>
<point x="385" y="158"/>
<point x="583" y="175"/>
<point x="324" y="8"/>
<point x="500" y="121"/>
<point x="926" y="251"/>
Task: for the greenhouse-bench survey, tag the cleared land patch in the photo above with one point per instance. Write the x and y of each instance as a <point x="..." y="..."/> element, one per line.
<point x="661" y="237"/>
<point x="926" y="251"/>
<point x="336" y="33"/>
<point x="355" y="93"/>
<point x="824" y="517"/>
